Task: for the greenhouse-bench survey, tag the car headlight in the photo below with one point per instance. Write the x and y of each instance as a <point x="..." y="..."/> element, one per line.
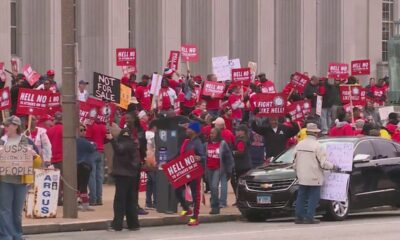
<point x="241" y="181"/>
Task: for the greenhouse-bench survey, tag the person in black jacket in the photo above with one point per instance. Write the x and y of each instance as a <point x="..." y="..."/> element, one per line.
<point x="126" y="170"/>
<point x="275" y="135"/>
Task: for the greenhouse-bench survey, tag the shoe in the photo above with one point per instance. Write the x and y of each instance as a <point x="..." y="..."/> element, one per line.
<point x="99" y="203"/>
<point x="312" y="221"/>
<point x="193" y="222"/>
<point x="134" y="228"/>
<point x="84" y="207"/>
<point x="185" y="213"/>
<point x="141" y="211"/>
<point x="92" y="204"/>
<point x="299" y="221"/>
<point x="223" y="206"/>
<point x="214" y="211"/>
<point x="149" y="207"/>
<point x="111" y="229"/>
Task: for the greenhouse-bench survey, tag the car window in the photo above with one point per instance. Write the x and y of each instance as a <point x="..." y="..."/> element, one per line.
<point x="384" y="149"/>
<point x="286" y="157"/>
<point x="365" y="147"/>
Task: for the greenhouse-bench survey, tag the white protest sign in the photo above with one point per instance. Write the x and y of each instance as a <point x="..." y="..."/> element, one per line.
<point x="385" y="111"/>
<point x="253" y="68"/>
<point x="318" y="106"/>
<point x="155" y="84"/>
<point x="16" y="160"/>
<point x="335" y="186"/>
<point x="221" y="68"/>
<point x="234" y="63"/>
<point x="340" y="154"/>
<point x="47" y="183"/>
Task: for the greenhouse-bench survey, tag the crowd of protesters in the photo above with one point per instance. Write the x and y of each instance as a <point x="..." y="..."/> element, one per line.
<point x="226" y="134"/>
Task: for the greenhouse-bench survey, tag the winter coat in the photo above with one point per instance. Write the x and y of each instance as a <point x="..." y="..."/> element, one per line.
<point x="341" y="129"/>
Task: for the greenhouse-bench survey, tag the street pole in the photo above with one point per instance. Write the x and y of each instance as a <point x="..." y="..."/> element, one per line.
<point x="69" y="108"/>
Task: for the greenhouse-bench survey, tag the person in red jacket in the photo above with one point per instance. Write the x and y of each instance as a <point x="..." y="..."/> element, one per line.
<point x="342" y="126"/>
<point x="97" y="134"/>
<point x="266" y="85"/>
<point x="142" y="93"/>
<point x="55" y="135"/>
<point x="378" y="92"/>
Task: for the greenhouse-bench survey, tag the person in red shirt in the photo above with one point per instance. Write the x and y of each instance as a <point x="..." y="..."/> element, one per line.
<point x="213" y="103"/>
<point x="235" y="101"/>
<point x="227" y="116"/>
<point x="226" y="134"/>
<point x="378" y="93"/>
<point x="201" y="107"/>
<point x="166" y="96"/>
<point x="266" y="85"/>
<point x="143" y="93"/>
<point x="192" y="95"/>
<point x="342" y="126"/>
<point x="97" y="134"/>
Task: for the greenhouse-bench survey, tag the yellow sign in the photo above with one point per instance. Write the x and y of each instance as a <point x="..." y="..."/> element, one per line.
<point x="125" y="96"/>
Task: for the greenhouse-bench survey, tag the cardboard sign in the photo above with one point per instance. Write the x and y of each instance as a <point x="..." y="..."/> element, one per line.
<point x="234" y="63"/>
<point x="360" y="67"/>
<point x="46" y="187"/>
<point x="32" y="102"/>
<point x="270" y="104"/>
<point x="385" y="111"/>
<point x="16" y="160"/>
<point x="299" y="109"/>
<point x="241" y="76"/>
<point x="126" y="56"/>
<point x="183" y="169"/>
<point x="3" y="75"/>
<point x="155" y="84"/>
<point x="54" y="103"/>
<point x="87" y="113"/>
<point x="340" y="154"/>
<point x="353" y="93"/>
<point x="189" y="53"/>
<point x="335" y="186"/>
<point x="128" y="70"/>
<point x="338" y="70"/>
<point x="15" y="65"/>
<point x="106" y="88"/>
<point x="221" y="68"/>
<point x="173" y="60"/>
<point x="105" y="111"/>
<point x="318" y="106"/>
<point x="125" y="98"/>
<point x="143" y="181"/>
<point x="300" y="81"/>
<point x="214" y="89"/>
<point x="5" y="98"/>
<point x="31" y="76"/>
<point x="253" y="68"/>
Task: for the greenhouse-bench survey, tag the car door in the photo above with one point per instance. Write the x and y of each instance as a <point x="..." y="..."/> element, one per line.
<point x="387" y="161"/>
<point x="365" y="177"/>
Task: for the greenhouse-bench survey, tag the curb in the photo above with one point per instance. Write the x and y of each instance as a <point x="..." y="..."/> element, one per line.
<point x="104" y="223"/>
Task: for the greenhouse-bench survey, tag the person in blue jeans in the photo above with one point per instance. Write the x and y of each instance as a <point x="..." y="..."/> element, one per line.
<point x="96" y="179"/>
<point x="309" y="163"/>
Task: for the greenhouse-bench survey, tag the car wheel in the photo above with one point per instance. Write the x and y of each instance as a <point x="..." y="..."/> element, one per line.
<point x="255" y="215"/>
<point x="337" y="211"/>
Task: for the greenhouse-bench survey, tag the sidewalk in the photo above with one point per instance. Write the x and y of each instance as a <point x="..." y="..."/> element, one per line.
<point x="100" y="218"/>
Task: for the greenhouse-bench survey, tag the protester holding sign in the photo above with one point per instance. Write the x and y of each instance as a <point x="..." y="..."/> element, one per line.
<point x="213" y="99"/>
<point x="39" y="137"/>
<point x="266" y="85"/>
<point x="13" y="184"/>
<point x="309" y="174"/>
<point x="192" y="143"/>
<point x="142" y="93"/>
<point x="342" y="126"/>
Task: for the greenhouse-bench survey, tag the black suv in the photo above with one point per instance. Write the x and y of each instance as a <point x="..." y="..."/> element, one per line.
<point x="374" y="181"/>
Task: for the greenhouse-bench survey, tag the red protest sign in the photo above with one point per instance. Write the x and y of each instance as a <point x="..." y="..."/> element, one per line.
<point x="353" y="93"/>
<point x="214" y="89"/>
<point x="360" y="67"/>
<point x="32" y="102"/>
<point x="270" y="104"/>
<point x="87" y="113"/>
<point x="189" y="53"/>
<point x="183" y="169"/>
<point x="300" y="81"/>
<point x="54" y="103"/>
<point x="3" y="76"/>
<point x="143" y="181"/>
<point x="241" y="76"/>
<point x="299" y="109"/>
<point x="104" y="110"/>
<point x="126" y="56"/>
<point x="31" y="76"/>
<point x="128" y="70"/>
<point x="338" y="70"/>
<point x="173" y="60"/>
<point x="5" y="99"/>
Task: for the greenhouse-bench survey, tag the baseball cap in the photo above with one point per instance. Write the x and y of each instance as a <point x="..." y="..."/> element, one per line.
<point x="83" y="82"/>
<point x="50" y="72"/>
<point x="13" y="120"/>
<point x="195" y="127"/>
<point x="219" y="120"/>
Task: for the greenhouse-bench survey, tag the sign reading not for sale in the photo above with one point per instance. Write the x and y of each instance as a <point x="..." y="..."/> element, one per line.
<point x="16" y="160"/>
<point x="183" y="169"/>
<point x="126" y="56"/>
<point x="32" y="102"/>
<point x="270" y="104"/>
<point x="106" y="88"/>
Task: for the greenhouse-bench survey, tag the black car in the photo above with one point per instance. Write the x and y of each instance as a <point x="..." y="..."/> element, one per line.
<point x="374" y="181"/>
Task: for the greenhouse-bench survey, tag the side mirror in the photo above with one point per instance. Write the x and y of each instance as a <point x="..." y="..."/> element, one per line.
<point x="362" y="158"/>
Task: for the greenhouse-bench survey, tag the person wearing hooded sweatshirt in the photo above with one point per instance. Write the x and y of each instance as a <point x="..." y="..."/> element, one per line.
<point x="392" y="126"/>
<point x="192" y="143"/>
<point x="342" y="126"/>
<point x="219" y="165"/>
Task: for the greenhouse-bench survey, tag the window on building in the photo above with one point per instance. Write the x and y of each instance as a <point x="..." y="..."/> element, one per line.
<point x="14" y="49"/>
<point x="387" y="26"/>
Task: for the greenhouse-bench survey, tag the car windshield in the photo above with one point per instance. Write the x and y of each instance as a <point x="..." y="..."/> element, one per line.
<point x="288" y="156"/>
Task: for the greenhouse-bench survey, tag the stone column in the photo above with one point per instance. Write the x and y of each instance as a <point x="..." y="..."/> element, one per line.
<point x="5" y="33"/>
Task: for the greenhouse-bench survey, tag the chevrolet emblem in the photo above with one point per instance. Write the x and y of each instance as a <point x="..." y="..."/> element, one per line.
<point x="266" y="185"/>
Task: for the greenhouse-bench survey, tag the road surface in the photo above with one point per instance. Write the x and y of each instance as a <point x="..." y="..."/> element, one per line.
<point x="371" y="226"/>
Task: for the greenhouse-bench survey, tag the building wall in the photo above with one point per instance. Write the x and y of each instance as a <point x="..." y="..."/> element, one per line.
<point x="282" y="36"/>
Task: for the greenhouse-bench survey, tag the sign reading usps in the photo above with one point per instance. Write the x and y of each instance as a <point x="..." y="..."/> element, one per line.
<point x="47" y="183"/>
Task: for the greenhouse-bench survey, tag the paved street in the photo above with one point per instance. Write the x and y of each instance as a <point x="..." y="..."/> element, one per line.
<point x="371" y="226"/>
